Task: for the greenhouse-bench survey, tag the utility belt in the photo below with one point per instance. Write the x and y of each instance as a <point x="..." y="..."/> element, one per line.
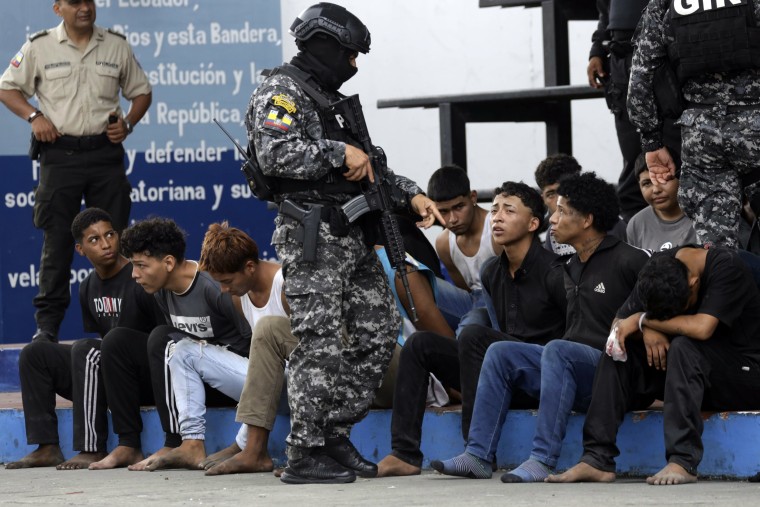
<point x="620" y="48"/>
<point x="725" y="109"/>
<point x="80" y="143"/>
<point x="308" y="217"/>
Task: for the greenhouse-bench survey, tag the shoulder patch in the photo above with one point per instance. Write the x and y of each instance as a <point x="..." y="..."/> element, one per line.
<point x="118" y="34"/>
<point x="284" y="101"/>
<point x="278" y="121"/>
<point x="37" y="35"/>
<point x="16" y="61"/>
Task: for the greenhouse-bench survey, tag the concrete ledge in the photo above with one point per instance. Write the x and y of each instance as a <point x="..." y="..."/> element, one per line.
<point x="732" y="446"/>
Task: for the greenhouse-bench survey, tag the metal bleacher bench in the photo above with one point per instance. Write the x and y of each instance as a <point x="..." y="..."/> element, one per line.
<point x="550" y="104"/>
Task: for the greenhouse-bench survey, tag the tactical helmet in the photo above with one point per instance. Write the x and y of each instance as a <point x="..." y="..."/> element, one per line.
<point x="332" y="20"/>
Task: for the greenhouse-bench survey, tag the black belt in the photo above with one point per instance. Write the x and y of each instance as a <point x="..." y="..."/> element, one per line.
<point x="82" y="143"/>
<point x="621" y="35"/>
<point x="324" y="213"/>
<point x="729" y="109"/>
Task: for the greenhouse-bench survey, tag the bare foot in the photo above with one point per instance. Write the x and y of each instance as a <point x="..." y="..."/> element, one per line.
<point x="391" y="466"/>
<point x="582" y="472"/>
<point x="220" y="456"/>
<point x="120" y="457"/>
<point x="47" y="455"/>
<point x="188" y="455"/>
<point x="140" y="465"/>
<point x="81" y="461"/>
<point x="246" y="462"/>
<point x="671" y="475"/>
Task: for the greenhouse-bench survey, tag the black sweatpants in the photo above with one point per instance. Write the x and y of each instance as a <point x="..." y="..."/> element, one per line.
<point x="474" y="341"/>
<point x="423" y="353"/>
<point x="73" y="372"/>
<point x="701" y="375"/>
<point x="136" y="373"/>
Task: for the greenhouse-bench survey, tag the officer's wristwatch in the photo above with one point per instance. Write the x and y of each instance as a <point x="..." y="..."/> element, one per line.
<point x="34" y="115"/>
<point x="129" y="126"/>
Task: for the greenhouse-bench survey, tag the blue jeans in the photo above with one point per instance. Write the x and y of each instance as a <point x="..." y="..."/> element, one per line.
<point x="460" y="307"/>
<point x="560" y="375"/>
<point x="193" y="363"/>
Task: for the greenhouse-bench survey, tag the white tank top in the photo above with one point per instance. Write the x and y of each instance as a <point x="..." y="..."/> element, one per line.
<point x="469" y="267"/>
<point x="273" y="307"/>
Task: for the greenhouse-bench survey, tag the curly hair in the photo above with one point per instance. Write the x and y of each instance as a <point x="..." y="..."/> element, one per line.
<point x="226" y="249"/>
<point x="554" y="167"/>
<point x="663" y="287"/>
<point x="85" y="219"/>
<point x="155" y="237"/>
<point x="529" y="197"/>
<point x="591" y="195"/>
<point x="448" y="182"/>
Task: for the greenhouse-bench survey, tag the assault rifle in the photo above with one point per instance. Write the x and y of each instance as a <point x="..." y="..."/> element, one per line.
<point x="382" y="195"/>
<point x="250" y="168"/>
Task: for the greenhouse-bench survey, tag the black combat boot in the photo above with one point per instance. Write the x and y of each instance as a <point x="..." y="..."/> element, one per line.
<point x="316" y="468"/>
<point x="343" y="451"/>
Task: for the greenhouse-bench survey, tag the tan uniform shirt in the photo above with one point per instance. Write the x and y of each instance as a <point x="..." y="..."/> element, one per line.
<point x="76" y="89"/>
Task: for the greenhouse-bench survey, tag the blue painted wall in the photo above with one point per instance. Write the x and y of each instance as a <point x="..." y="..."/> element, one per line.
<point x="222" y="45"/>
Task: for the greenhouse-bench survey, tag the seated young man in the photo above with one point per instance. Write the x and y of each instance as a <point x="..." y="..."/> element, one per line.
<point x="208" y="338"/>
<point x="108" y="298"/>
<point x="548" y="174"/>
<point x="463" y="246"/>
<point x="691" y="334"/>
<point x="231" y="257"/>
<point x="662" y="224"/>
<point x="529" y="300"/>
<point x="598" y="278"/>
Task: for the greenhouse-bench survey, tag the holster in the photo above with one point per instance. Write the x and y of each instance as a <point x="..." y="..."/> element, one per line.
<point x="35" y="145"/>
<point x="309" y="219"/>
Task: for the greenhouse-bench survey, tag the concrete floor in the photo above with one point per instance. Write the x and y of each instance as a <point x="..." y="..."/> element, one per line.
<point x="121" y="487"/>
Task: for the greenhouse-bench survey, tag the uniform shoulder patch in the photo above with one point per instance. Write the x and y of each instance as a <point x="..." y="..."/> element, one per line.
<point x="278" y="120"/>
<point x="284" y="101"/>
<point x="39" y="34"/>
<point x="16" y="61"/>
<point x="118" y="34"/>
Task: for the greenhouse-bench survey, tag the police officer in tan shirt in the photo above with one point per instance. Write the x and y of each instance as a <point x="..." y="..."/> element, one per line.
<point x="76" y="71"/>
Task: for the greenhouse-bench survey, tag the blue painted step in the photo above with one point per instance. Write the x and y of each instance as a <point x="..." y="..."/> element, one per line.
<point x="732" y="446"/>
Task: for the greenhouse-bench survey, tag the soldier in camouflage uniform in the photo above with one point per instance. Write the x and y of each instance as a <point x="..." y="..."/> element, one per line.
<point x="719" y="75"/>
<point x="609" y="67"/>
<point x="311" y="159"/>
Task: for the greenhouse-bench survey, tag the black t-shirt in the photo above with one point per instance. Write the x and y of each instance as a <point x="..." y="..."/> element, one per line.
<point x="727" y="291"/>
<point x="117" y="301"/>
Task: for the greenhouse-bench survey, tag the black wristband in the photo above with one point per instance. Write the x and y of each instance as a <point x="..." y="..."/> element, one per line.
<point x="34" y="115"/>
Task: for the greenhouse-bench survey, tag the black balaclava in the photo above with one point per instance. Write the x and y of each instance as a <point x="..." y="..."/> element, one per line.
<point x="326" y="59"/>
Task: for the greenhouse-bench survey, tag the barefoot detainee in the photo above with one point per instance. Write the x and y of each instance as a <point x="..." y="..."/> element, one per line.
<point x="691" y="334"/>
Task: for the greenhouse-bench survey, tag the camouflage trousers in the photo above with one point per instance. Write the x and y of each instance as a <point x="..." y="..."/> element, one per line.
<point x="720" y="151"/>
<point x="332" y="380"/>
